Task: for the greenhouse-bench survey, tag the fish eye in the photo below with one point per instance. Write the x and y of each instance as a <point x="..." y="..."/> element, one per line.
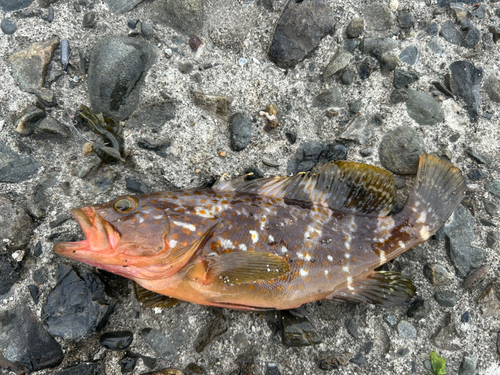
<point x="125" y="204"/>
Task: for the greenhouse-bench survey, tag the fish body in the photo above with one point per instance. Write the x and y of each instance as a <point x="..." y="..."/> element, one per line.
<point x="271" y="243"/>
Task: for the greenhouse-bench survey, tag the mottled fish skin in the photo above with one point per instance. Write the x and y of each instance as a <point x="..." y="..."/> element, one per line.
<point x="327" y="252"/>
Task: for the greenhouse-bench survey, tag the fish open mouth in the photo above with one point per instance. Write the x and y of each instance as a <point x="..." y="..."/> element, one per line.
<point x="100" y="236"/>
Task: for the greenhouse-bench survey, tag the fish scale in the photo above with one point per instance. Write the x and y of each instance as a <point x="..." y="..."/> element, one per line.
<point x="272" y="242"/>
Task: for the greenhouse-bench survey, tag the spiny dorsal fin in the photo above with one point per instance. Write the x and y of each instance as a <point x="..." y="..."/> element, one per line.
<point x="384" y="288"/>
<point x="345" y="186"/>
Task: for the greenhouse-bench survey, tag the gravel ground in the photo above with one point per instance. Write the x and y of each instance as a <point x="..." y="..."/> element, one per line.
<point x="42" y="173"/>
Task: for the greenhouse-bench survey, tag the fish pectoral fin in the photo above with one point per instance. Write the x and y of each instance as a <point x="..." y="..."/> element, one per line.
<point x="152" y="299"/>
<point x="244" y="267"/>
<point x="239" y="307"/>
<point x="384" y="288"/>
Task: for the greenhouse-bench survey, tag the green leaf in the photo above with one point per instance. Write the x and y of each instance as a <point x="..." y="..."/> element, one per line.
<point x="438" y="364"/>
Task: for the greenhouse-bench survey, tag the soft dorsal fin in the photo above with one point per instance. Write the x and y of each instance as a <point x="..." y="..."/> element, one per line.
<point x="383" y="288"/>
<point x="345" y="186"/>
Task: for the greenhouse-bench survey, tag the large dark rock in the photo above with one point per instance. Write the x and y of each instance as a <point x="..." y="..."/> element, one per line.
<point x="7" y="6"/>
<point x="423" y="108"/>
<point x="24" y="345"/>
<point x="466" y="83"/>
<point x="117" y="69"/>
<point x="185" y="16"/>
<point x="14" y="167"/>
<point x="399" y="150"/>
<point x="76" y="305"/>
<point x="16" y="226"/>
<point x="8" y="273"/>
<point x="300" y="28"/>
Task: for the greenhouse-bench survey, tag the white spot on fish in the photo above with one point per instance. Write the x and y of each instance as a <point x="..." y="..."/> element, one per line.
<point x="383" y="259"/>
<point x="284" y="249"/>
<point x="203" y="212"/>
<point x="345" y="269"/>
<point x="242" y="246"/>
<point x="308" y="257"/>
<point x="401" y="244"/>
<point x="303" y="272"/>
<point x="330" y="258"/>
<point x="157" y="217"/>
<point x="263" y="222"/>
<point x="188" y="226"/>
<point x="300" y="255"/>
<point x="424" y="232"/>
<point x="347" y="255"/>
<point x="349" y="283"/>
<point x="141" y="220"/>
<point x="225" y="243"/>
<point x="172" y="243"/>
<point x="270" y="239"/>
<point x="326" y="272"/>
<point x="255" y="236"/>
<point x="422" y="217"/>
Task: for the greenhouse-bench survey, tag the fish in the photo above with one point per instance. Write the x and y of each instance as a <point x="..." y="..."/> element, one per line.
<point x="272" y="243"/>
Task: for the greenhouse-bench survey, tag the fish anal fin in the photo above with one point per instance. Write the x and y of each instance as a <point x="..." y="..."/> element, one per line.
<point x="239" y="307"/>
<point x="346" y="186"/>
<point x="244" y="267"/>
<point x="152" y="299"/>
<point x="383" y="288"/>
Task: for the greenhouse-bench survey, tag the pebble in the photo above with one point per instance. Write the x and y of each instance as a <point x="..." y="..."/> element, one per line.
<point x="339" y="62"/>
<point x="347" y="77"/>
<point x="164" y="346"/>
<point x="335" y="151"/>
<point x="355" y="28"/>
<point x="447" y="335"/>
<point x="194" y="42"/>
<point x="492" y="88"/>
<point x="86" y="368"/>
<point x="26" y="121"/>
<point x="435" y="46"/>
<point x="402" y="352"/>
<point x="8" y="27"/>
<point x="406" y="330"/>
<point x="16" y="168"/>
<point x="465" y="318"/>
<point x="299" y="30"/>
<point x="152" y="116"/>
<point x="491" y="240"/>
<point x="480" y="158"/>
<point x="116" y="340"/>
<point x="215" y="104"/>
<point x="212" y="329"/>
<point x="378" y="17"/>
<point x="459" y="236"/>
<point x="329" y="361"/>
<point x="291" y="136"/>
<point x="450" y="33"/>
<point x="423" y="108"/>
<point x="272" y="369"/>
<point x="132" y="24"/>
<point x="493" y="187"/>
<point x="26" y="345"/>
<point x="488" y="300"/>
<point x="419" y="309"/>
<point x="194" y="369"/>
<point x="379" y="45"/>
<point x="89" y="20"/>
<point x="185" y="16"/>
<point x="471" y="38"/>
<point x="406" y="20"/>
<point x="76" y="305"/>
<point x="34" y="293"/>
<point x="147" y="28"/>
<point x="475" y="277"/>
<point x="355" y="107"/>
<point x="116" y="92"/>
<point x="467" y="83"/>
<point x="49" y="126"/>
<point x="436" y="274"/>
<point x="358" y="359"/>
<point x="352" y="328"/>
<point x="127" y="364"/>
<point x="468" y="366"/>
<point x="135" y="185"/>
<point x="9" y="273"/>
<point x="433" y="29"/>
<point x="446" y="298"/>
<point x="121" y="6"/>
<point x="399" y="96"/>
<point x="388" y="63"/>
<point x="409" y="55"/>
<point x="240" y="128"/>
<point x="305" y="158"/>
<point x="389" y="319"/>
<point x="350" y="45"/>
<point x="7" y="6"/>
<point x="298" y="331"/>
<point x="404" y="78"/>
<point x="360" y="130"/>
<point x="331" y="98"/>
<point x="399" y="150"/>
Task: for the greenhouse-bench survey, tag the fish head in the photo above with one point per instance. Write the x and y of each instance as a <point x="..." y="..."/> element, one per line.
<point x="121" y="236"/>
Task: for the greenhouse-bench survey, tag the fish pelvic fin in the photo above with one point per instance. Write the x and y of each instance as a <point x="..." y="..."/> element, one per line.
<point x="438" y="190"/>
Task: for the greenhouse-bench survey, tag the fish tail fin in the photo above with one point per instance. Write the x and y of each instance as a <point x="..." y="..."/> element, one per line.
<point x="438" y="190"/>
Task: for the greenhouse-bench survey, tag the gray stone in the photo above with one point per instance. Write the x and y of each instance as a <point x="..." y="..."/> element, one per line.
<point x="389" y="62"/>
<point x="492" y="88"/>
<point x="331" y="98"/>
<point x="404" y="78"/>
<point x="152" y="116"/>
<point x="76" y="305"/>
<point x="16" y="225"/>
<point x="491" y="207"/>
<point x="479" y="157"/>
<point x="491" y="240"/>
<point x="16" y="168"/>
<point x="410" y="55"/>
<point x="89" y="20"/>
<point x="479" y="12"/>
<point x="378" y="16"/>
<point x="240" y="127"/>
<point x="471" y="38"/>
<point x="360" y="130"/>
<point x="7" y="6"/>
<point x="121" y="6"/>
<point x="26" y="121"/>
<point x="459" y="235"/>
<point x="451" y="33"/>
<point x="379" y="45"/>
<point x="446" y="298"/>
<point x="493" y="187"/>
<point x="117" y="69"/>
<point x="146" y="28"/>
<point x="86" y="368"/>
<point x="447" y="336"/>
<point x="136" y="185"/>
<point x="406" y="330"/>
<point x="25" y="346"/>
<point x="305" y="157"/>
<point x="468" y="366"/>
<point x="433" y="29"/>
<point x="51" y="127"/>
<point x="185" y="16"/>
<point x="301" y="27"/>
<point x="466" y="83"/>
<point x="8" y="27"/>
<point x="210" y="331"/>
<point x="339" y="61"/>
<point x="406" y="20"/>
<point x="419" y="309"/>
<point x="164" y="346"/>
<point x="389" y="319"/>
<point x="435" y="46"/>
<point x="398" y="96"/>
<point x="399" y="150"/>
<point x="423" y="108"/>
<point x="436" y="274"/>
<point x="352" y="328"/>
<point x="355" y="28"/>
